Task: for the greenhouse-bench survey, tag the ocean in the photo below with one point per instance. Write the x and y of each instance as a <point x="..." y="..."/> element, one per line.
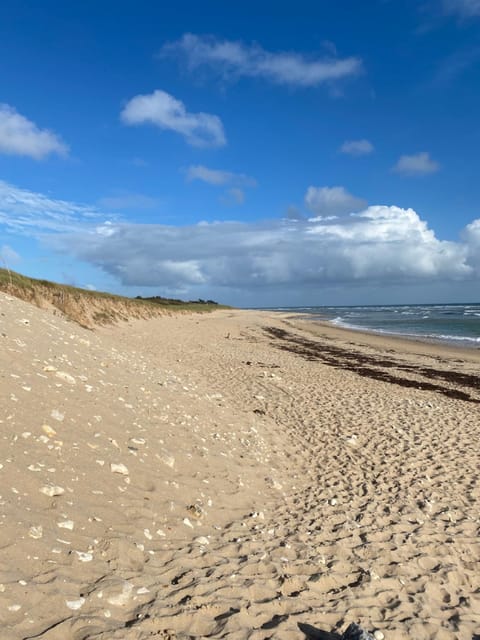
<point x="457" y="324"/>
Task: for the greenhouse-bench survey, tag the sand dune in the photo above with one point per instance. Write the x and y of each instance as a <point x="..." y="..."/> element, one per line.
<point x="211" y="476"/>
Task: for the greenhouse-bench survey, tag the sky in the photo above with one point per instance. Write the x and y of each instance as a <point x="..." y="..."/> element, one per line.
<point x="255" y="153"/>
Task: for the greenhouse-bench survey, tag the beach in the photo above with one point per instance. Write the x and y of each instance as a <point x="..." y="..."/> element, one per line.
<point x="238" y="474"/>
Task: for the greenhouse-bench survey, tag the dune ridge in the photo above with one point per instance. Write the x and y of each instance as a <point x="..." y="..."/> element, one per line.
<point x="91" y="308"/>
<point x="188" y="476"/>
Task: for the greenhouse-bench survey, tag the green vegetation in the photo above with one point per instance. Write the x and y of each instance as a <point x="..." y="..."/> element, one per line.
<point x="90" y="308"/>
<point x="11" y="279"/>
<point x="194" y="304"/>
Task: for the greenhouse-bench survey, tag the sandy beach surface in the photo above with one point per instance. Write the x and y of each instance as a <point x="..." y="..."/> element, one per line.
<point x="236" y="475"/>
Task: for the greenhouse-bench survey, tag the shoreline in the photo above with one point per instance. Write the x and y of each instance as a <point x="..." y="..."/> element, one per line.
<point x="234" y="476"/>
<point x="451" y="341"/>
<point x="459" y="342"/>
<point x="405" y="343"/>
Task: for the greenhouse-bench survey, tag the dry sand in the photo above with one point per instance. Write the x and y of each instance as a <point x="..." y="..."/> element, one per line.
<point x="234" y="475"/>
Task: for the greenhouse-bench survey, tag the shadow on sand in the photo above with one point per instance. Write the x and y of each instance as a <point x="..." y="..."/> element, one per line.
<point x="312" y="633"/>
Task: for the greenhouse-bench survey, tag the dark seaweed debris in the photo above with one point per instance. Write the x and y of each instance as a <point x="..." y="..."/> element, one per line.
<point x="377" y="367"/>
<point x="353" y="632"/>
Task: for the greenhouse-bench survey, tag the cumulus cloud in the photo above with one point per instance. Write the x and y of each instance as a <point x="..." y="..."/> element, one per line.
<point x="357" y="147"/>
<point x="381" y="245"/>
<point x="163" y="110"/>
<point x="462" y="8"/>
<point x="21" y="137"/>
<point x="418" y="164"/>
<point x="218" y="177"/>
<point x="327" y="202"/>
<point x="235" y="59"/>
<point x="377" y="246"/>
<point x="471" y="237"/>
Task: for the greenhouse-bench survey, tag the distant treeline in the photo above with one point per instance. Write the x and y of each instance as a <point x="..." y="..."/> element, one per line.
<point x="173" y="301"/>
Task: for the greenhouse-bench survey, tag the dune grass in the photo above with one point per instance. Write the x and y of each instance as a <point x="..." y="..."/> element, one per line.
<point x="89" y="307"/>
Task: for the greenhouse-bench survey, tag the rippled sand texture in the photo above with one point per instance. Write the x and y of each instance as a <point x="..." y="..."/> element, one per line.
<point x="202" y="476"/>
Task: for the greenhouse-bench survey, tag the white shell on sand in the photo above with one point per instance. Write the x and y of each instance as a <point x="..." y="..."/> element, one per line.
<point x="74" y="605"/>
<point x="123" y="597"/>
<point x="66" y="377"/>
<point x="52" y="490"/>
<point x="48" y="430"/>
<point x="167" y="459"/>
<point x="36" y="532"/>
<point x="119" y="468"/>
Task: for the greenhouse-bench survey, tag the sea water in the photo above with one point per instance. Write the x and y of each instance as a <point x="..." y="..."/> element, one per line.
<point x="451" y="323"/>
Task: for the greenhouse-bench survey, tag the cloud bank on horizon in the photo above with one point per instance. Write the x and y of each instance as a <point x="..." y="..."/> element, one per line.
<point x="381" y="245"/>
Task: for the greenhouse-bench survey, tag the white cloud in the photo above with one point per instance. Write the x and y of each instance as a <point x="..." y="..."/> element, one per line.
<point x="379" y="246"/>
<point x="30" y="212"/>
<point x="418" y="164"/>
<point x="21" y="137"/>
<point x="212" y="176"/>
<point x="128" y="201"/>
<point x="163" y="110"/>
<point x="218" y="177"/>
<point x="237" y="59"/>
<point x="326" y="202"/>
<point x="471" y="237"/>
<point x="357" y="147"/>
<point x="462" y="8"/>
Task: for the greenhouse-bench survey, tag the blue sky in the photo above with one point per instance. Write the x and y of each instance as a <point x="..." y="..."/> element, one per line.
<point x="258" y="153"/>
